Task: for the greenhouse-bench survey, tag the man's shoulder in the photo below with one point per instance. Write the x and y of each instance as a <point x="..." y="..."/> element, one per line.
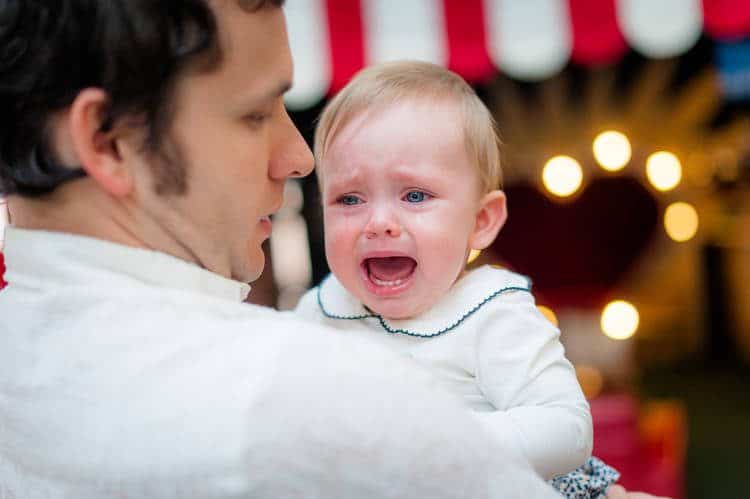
<point x="308" y="307"/>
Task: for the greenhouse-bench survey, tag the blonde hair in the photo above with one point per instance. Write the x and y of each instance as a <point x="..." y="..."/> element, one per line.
<point x="383" y="84"/>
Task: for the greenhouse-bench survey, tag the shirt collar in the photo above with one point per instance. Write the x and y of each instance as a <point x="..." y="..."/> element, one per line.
<point x="469" y="294"/>
<point x="37" y="258"/>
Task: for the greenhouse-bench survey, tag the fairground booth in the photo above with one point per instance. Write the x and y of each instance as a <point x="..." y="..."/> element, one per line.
<point x="626" y="155"/>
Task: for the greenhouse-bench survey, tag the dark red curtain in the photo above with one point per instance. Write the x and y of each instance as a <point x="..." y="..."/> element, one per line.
<point x="577" y="251"/>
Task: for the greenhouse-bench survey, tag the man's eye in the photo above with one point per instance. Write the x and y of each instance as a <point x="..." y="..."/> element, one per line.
<point x="257" y="118"/>
<point x="416" y="196"/>
<point x="349" y="200"/>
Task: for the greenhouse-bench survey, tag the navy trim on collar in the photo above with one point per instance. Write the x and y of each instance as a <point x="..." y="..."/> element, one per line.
<point x="444" y="330"/>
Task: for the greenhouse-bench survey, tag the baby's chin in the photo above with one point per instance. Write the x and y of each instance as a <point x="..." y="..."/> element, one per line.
<point x="398" y="309"/>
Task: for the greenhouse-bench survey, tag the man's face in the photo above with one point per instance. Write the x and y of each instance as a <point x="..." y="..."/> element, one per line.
<point x="237" y="144"/>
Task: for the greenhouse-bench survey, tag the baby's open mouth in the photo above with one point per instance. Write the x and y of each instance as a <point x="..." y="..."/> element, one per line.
<point x="389" y="271"/>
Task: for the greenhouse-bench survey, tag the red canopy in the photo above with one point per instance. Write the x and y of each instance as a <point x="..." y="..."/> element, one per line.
<point x="526" y="39"/>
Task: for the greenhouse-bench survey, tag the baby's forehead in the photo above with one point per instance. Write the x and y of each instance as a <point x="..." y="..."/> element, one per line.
<point x="431" y="121"/>
<point x="413" y="125"/>
<point x="411" y="108"/>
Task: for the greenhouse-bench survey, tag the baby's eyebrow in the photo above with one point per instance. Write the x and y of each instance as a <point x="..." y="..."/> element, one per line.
<point x="342" y="180"/>
<point x="405" y="174"/>
<point x="408" y="173"/>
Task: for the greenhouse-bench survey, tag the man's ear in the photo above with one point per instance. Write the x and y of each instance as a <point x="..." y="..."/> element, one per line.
<point x="96" y="146"/>
<point x="490" y="218"/>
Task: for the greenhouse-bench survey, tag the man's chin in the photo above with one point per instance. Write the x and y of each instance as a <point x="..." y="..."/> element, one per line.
<point x="250" y="269"/>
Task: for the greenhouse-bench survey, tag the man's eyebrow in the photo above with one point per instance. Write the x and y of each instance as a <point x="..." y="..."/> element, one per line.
<point x="262" y="98"/>
<point x="282" y="89"/>
<point x="343" y="180"/>
<point x="276" y="92"/>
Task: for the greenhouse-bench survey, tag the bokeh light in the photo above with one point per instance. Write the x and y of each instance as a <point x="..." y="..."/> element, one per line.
<point x="612" y="150"/>
<point x="681" y="221"/>
<point x="591" y="380"/>
<point x="619" y="320"/>
<point x="549" y="314"/>
<point x="562" y="176"/>
<point x="726" y="165"/>
<point x="663" y="170"/>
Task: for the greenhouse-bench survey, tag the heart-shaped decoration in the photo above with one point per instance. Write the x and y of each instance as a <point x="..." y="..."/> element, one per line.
<point x="576" y="251"/>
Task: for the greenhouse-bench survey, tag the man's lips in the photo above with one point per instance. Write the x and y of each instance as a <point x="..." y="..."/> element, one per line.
<point x="265" y="223"/>
<point x="275" y="207"/>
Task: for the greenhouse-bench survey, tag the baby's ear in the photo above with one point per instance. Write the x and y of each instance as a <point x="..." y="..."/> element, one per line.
<point x="490" y="218"/>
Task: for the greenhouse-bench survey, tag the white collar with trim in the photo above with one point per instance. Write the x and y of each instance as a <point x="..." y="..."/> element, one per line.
<point x="38" y="259"/>
<point x="469" y="294"/>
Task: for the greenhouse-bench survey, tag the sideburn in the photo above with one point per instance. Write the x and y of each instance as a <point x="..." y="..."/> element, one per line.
<point x="170" y="172"/>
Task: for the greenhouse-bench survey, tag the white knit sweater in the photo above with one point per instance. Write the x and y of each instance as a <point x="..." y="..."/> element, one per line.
<point x="126" y="373"/>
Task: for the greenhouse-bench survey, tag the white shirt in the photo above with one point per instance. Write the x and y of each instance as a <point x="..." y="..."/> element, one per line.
<point x="126" y="373"/>
<point x="490" y="345"/>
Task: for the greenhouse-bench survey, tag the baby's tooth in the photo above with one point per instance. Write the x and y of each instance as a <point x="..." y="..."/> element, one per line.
<point x="386" y="283"/>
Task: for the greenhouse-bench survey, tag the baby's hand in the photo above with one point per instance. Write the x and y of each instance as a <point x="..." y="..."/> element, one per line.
<point x="619" y="492"/>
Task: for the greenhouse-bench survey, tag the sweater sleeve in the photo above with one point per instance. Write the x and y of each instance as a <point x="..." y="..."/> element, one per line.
<point x="523" y="372"/>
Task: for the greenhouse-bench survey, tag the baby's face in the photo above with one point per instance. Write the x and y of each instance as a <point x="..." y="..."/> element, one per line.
<point x="400" y="199"/>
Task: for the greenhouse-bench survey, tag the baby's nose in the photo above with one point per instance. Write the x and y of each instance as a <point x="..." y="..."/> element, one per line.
<point x="382" y="223"/>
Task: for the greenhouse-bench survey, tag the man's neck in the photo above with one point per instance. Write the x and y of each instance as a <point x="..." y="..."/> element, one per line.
<point x="80" y="208"/>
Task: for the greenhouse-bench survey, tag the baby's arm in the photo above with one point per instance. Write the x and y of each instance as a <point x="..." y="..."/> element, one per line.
<point x="523" y="372"/>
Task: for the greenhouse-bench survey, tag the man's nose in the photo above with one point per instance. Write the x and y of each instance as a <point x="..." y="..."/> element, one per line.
<point x="382" y="222"/>
<point x="291" y="155"/>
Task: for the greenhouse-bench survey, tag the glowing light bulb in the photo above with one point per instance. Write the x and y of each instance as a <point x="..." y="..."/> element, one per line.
<point x="619" y="320"/>
<point x="612" y="150"/>
<point x="562" y="176"/>
<point x="663" y="170"/>
<point x="681" y="221"/>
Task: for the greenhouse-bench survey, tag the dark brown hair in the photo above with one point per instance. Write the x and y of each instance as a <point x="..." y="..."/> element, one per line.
<point x="132" y="49"/>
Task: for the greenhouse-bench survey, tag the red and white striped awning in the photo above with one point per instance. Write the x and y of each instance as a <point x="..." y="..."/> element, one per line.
<point x="526" y="39"/>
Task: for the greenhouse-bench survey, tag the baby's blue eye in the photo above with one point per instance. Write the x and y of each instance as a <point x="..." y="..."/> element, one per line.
<point x="349" y="200"/>
<point x="415" y="196"/>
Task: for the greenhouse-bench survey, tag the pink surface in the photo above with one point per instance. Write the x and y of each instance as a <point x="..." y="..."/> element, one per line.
<point x="646" y="447"/>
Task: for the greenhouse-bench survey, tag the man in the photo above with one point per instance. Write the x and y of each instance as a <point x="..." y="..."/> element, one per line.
<point x="143" y="146"/>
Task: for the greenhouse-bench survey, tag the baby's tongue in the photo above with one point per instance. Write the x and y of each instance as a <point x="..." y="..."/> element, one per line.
<point x="391" y="268"/>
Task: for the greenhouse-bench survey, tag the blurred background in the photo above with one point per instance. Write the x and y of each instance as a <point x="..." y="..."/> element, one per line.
<point x="626" y="130"/>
